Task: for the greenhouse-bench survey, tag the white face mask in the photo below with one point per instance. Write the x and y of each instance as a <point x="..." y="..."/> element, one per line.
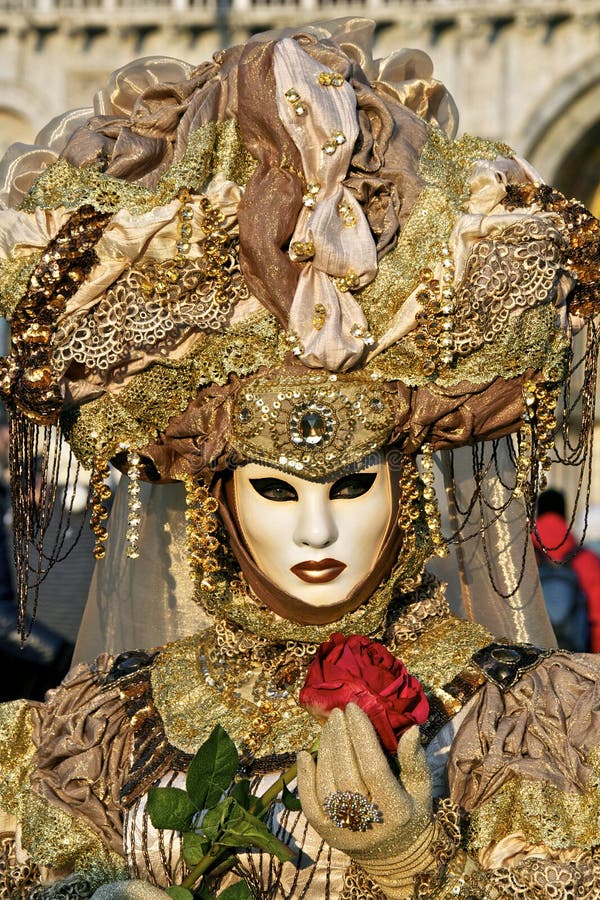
<point x="315" y="541"/>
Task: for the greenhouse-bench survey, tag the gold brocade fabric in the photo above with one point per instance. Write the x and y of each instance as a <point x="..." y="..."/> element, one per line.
<point x="191" y="700"/>
<point x="52" y="837"/>
<point x="14" y="278"/>
<point x="541" y="813"/>
<point x="444" y="165"/>
<point x="214" y="147"/>
<point x="16" y="749"/>
<point x="442" y="651"/>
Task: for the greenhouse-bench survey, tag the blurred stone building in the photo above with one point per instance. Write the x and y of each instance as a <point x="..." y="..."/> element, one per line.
<point x="526" y="71"/>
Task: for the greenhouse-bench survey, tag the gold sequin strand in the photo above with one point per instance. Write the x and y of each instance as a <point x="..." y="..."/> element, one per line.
<point x="201" y="530"/>
<point x="431" y="507"/>
<point x="214" y="247"/>
<point x="27" y="377"/>
<point x="99" y="494"/>
<point x="435" y="326"/>
<point x="536" y="436"/>
<point x="134" y="504"/>
<point x="410" y="506"/>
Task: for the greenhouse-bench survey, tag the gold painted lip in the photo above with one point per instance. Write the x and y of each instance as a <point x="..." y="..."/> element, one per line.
<point x="318" y="571"/>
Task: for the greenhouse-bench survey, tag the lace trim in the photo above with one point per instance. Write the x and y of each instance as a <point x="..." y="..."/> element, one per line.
<point x="146" y="308"/>
<point x="559" y="880"/>
<point x="517" y="270"/>
<point x="415" y="613"/>
<point x="535" y="879"/>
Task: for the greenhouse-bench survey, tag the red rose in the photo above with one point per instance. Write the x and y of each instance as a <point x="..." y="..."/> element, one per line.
<point x="357" y="670"/>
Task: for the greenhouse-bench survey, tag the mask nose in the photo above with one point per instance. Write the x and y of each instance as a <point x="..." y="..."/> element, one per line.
<point x="315" y="525"/>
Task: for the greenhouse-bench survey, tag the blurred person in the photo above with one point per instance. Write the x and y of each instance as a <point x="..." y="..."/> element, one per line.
<point x="570" y="576"/>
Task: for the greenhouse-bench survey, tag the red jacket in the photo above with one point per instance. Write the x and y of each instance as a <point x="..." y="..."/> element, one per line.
<point x="554" y="533"/>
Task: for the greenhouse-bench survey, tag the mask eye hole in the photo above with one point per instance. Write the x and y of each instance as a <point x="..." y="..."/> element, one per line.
<point x="352" y="486"/>
<point x="275" y="489"/>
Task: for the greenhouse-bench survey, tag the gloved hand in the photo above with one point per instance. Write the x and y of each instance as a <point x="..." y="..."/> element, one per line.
<point x="129" y="890"/>
<point x="396" y="843"/>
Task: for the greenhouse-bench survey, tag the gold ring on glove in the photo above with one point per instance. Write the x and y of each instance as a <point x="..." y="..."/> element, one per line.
<point x="349" y="809"/>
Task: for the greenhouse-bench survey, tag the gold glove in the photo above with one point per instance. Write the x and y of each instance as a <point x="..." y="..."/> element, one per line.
<point x="354" y="801"/>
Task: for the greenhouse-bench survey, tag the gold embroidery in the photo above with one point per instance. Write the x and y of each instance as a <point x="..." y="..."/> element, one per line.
<point x="542" y="813"/>
<point x="215" y="147"/>
<point x="145" y="405"/>
<point x="314" y="424"/>
<point x="419" y="245"/>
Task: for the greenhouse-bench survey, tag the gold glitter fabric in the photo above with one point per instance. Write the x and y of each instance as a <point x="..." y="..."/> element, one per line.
<point x="252" y="691"/>
<point x="215" y="147"/>
<point x="16" y="749"/>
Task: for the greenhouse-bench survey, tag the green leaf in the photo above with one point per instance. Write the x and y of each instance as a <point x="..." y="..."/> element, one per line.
<point x="243" y="830"/>
<point x="179" y="893"/>
<point x="241" y="793"/>
<point x="212" y="769"/>
<point x="239" y="891"/>
<point x="170" y="808"/>
<point x="195" y="847"/>
<point x="215" y="818"/>
<point x="289" y="800"/>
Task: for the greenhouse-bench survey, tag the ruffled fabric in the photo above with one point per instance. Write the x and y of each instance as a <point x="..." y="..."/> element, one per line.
<point x="541" y="729"/>
<point x="83" y="750"/>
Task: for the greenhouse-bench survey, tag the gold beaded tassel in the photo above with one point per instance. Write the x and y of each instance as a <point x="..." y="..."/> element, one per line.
<point x="435" y="326"/>
<point x="539" y="422"/>
<point x="524" y="458"/>
<point x="409" y="504"/>
<point x="99" y="493"/>
<point x="201" y="530"/>
<point x="431" y="507"/>
<point x="134" y="504"/>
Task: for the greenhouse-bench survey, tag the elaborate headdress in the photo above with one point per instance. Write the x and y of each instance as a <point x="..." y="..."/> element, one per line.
<point x="283" y="255"/>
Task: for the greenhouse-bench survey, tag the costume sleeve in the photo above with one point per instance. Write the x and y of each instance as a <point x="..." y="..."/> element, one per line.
<point x="60" y="775"/>
<point x="524" y="766"/>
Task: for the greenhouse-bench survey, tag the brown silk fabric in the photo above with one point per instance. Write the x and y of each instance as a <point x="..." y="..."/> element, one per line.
<point x="137" y="144"/>
<point x="542" y="729"/>
<point x="269" y="208"/>
<point x="83" y="750"/>
<point x="383" y="173"/>
<point x="464" y="413"/>
<point x="283" y="604"/>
